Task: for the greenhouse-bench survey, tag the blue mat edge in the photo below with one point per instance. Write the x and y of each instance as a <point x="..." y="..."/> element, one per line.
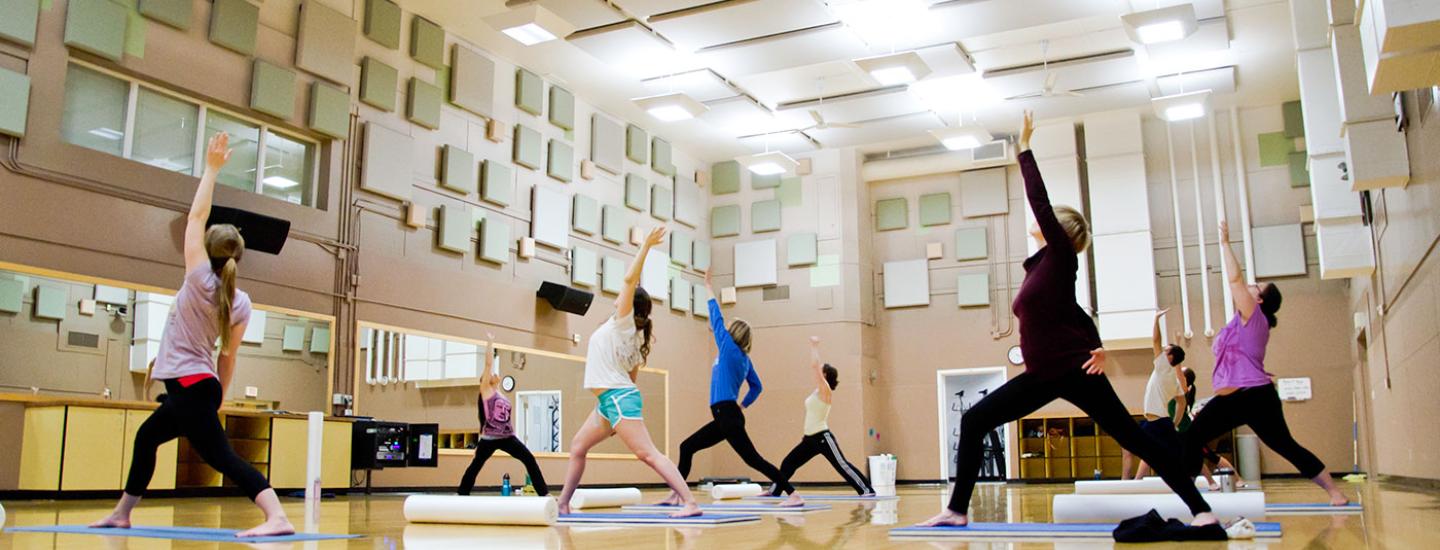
<point x="184" y="533"/>
<point x="1269" y="528"/>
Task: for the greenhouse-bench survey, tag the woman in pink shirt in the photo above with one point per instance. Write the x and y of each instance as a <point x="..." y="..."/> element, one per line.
<point x="207" y="307"/>
<point x="497" y="430"/>
<point x="1244" y="393"/>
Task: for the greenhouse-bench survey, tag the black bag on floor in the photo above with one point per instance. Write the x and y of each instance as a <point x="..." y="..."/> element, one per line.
<point x="1153" y="528"/>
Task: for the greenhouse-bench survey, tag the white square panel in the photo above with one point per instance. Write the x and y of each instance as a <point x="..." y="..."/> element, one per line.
<point x="702" y="85"/>
<point x="946" y="60"/>
<point x="584" y="14"/>
<point x="901" y="127"/>
<point x="726" y="22"/>
<point x="741" y="116"/>
<point x="783" y="52"/>
<point x="1220" y="81"/>
<point x="1346" y="250"/>
<point x="655" y="276"/>
<point x="632" y="49"/>
<point x="607" y="143"/>
<point x="647" y="8"/>
<point x="1070" y="76"/>
<point x="1180" y="55"/>
<point x="689" y="202"/>
<point x="550" y="222"/>
<point x="984" y="193"/>
<point x="1124" y="272"/>
<point x="755" y="263"/>
<point x="386" y="166"/>
<point x="1119" y="201"/>
<point x="865" y="107"/>
<point x="907" y="283"/>
<point x="1279" y="250"/>
<point x="827" y="78"/>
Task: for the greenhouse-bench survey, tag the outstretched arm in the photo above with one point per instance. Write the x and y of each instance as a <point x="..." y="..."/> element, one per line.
<point x="1244" y="302"/>
<point x="487" y="377"/>
<point x="625" y="303"/>
<point x="1035" y="191"/>
<point x="216" y="154"/>
<point x="717" y="319"/>
<point x="821" y="385"/>
<point x="1155" y="341"/>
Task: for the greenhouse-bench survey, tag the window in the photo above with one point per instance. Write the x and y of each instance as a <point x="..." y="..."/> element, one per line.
<point x="127" y="119"/>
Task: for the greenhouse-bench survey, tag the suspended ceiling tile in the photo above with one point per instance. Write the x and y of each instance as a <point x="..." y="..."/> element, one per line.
<point x="739" y="116"/>
<point x="1115" y="69"/>
<point x="894" y="102"/>
<point x="827" y="78"/>
<point x="783" y="52"/>
<point x="877" y="131"/>
<point x="946" y="60"/>
<point x="1025" y="50"/>
<point x="632" y="49"/>
<point x="702" y="85"/>
<point x="789" y="142"/>
<point x="584" y="14"/>
<point x="1219" y="81"/>
<point x="647" y="8"/>
<point x="1210" y="38"/>
<point x="971" y="20"/>
<point x="726" y="22"/>
<point x="1204" y="9"/>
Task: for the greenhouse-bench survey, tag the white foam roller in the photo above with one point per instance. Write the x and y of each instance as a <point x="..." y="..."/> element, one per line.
<point x="1146" y="486"/>
<point x="420" y="536"/>
<point x="2" y="517"/>
<point x="1110" y="508"/>
<point x="738" y="490"/>
<point x="481" y="510"/>
<point x="604" y="498"/>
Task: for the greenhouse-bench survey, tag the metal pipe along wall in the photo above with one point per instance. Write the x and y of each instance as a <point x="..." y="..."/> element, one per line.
<point x="1179" y="232"/>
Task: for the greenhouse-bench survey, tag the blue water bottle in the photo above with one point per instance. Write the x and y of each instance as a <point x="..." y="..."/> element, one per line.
<point x="505" y="486"/>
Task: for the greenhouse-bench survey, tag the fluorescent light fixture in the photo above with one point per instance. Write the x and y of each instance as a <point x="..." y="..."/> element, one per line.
<point x="671" y="107"/>
<point x="962" y="137"/>
<point x="530" y="24"/>
<point x="769" y="164"/>
<point x="280" y="182"/>
<point x="885" y="22"/>
<point x="1178" y="107"/>
<point x="895" y="68"/>
<point x="1161" y="25"/>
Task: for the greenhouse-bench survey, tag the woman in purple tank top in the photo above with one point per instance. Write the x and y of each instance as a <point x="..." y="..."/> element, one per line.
<point x="1244" y="393"/>
<point x="497" y="429"/>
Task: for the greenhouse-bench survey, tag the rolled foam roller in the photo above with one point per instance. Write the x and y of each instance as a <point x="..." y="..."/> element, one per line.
<point x="481" y="510"/>
<point x="737" y="490"/>
<point x="1110" y="508"/>
<point x="604" y="498"/>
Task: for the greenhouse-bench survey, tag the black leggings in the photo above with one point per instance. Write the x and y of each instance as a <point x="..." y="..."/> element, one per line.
<point x="1258" y="407"/>
<point x="190" y="413"/>
<point x="822" y="443"/>
<point x="513" y="447"/>
<point x="1026" y="393"/>
<point x="729" y="425"/>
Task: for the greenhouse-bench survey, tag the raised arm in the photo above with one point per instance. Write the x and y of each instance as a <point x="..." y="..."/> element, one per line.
<point x="216" y="154"/>
<point x="625" y="303"/>
<point x="717" y="319"/>
<point x="487" y="377"/>
<point x="1035" y="191"/>
<point x="1244" y="302"/>
<point x="817" y="367"/>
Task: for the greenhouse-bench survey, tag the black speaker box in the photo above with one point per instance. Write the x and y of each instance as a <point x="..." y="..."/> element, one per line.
<point x="262" y="233"/>
<point x="565" y="298"/>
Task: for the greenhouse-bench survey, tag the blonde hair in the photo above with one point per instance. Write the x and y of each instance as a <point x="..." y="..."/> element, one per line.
<point x="740" y="332"/>
<point x="224" y="245"/>
<point x="1075" y="226"/>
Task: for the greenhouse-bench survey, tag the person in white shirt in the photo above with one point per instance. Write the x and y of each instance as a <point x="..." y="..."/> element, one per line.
<point x="1166" y="384"/>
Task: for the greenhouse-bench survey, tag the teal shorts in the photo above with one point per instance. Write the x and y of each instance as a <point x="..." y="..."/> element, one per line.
<point x="618" y="404"/>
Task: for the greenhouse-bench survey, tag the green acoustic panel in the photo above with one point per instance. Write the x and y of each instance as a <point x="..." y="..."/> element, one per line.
<point x="49" y="303"/>
<point x="294" y="339"/>
<point x="802" y="249"/>
<point x="614" y="224"/>
<point x="329" y="110"/>
<point x="699" y="302"/>
<point x="1294" y="121"/>
<point x="427" y="42"/>
<point x="637" y="143"/>
<point x="607" y="143"/>
<point x="497" y="183"/>
<point x="378" y="83"/>
<point x="662" y="202"/>
<point x="561" y="162"/>
<point x="562" y="108"/>
<point x="758" y="181"/>
<point x="612" y="275"/>
<point x="725" y="178"/>
<point x="457" y="170"/>
<point x="972" y="243"/>
<point x="637" y="192"/>
<point x="495" y="240"/>
<point x="679" y="294"/>
<point x="325" y="44"/>
<point x="529" y="92"/>
<point x="934" y="209"/>
<point x="456" y="222"/>
<point x="18" y="17"/>
<point x="320" y="340"/>
<point x="422" y="103"/>
<point x="584" y="267"/>
<point x="98" y="27"/>
<point x="1299" y="169"/>
<point x="12" y="295"/>
<point x="891" y="214"/>
<point x="791" y="192"/>
<point x="382" y="23"/>
<point x="527" y="147"/>
<point x="585" y="214"/>
<point x="14" y="102"/>
<point x="682" y="248"/>
<point x="765" y="216"/>
<point x="725" y="221"/>
<point x="272" y="89"/>
<point x="700" y="257"/>
<point x="175" y="13"/>
<point x="472" y="81"/>
<point x="973" y="289"/>
<point x="233" y="24"/>
<point x="1275" y="148"/>
<point x="660" y="160"/>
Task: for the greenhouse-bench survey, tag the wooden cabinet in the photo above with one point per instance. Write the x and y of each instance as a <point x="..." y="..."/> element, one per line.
<point x="1074" y="447"/>
<point x="42" y="444"/>
<point x="290" y="445"/>
<point x="165" y="456"/>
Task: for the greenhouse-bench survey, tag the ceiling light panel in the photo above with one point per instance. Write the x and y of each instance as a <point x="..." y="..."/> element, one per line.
<point x="896" y="68"/>
<point x="584" y="14"/>
<point x="785" y="52"/>
<point x="703" y="85"/>
<point x="530" y="24"/>
<point x="671" y="107"/>
<point x="633" y="49"/>
<point x="954" y="94"/>
<point x="769" y="163"/>
<point x="1077" y="75"/>
<point x="1219" y="81"/>
<point x="726" y="22"/>
<point x="1158" y="26"/>
<point x="739" y="116"/>
<point x="961" y="138"/>
<point x="1180" y="107"/>
<point x="891" y="103"/>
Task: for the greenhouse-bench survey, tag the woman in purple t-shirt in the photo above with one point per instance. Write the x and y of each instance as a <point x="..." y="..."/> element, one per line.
<point x="497" y="430"/>
<point x="1244" y="394"/>
<point x="207" y="308"/>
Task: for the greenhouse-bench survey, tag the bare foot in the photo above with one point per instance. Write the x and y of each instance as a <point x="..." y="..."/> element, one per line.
<point x="1214" y="486"/>
<point x="870" y="494"/>
<point x="672" y="500"/>
<point x="272" y="527"/>
<point x="947" y="518"/>
<point x="113" y="521"/>
<point x="1338" y="499"/>
<point x="1204" y="518"/>
<point x="793" y="502"/>
<point x="689" y="511"/>
<point x="564" y="509"/>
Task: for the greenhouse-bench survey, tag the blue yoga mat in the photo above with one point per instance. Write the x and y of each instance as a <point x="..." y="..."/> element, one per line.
<point x="1040" y="530"/>
<point x="753" y="508"/>
<point x="832" y="498"/>
<point x="655" y="519"/>
<point x="1310" y="508"/>
<point x="175" y="533"/>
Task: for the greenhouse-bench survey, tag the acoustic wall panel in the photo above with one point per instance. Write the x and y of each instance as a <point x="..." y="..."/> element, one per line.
<point x="527" y="147"/>
<point x="427" y="42"/>
<point x="497" y="183"/>
<point x="755" y="264"/>
<point x="329" y="111"/>
<point x="1124" y="288"/>
<point x="725" y="221"/>
<point x="457" y="170"/>
<point x="98" y="27"/>
<point x="984" y="193"/>
<point x="50" y="303"/>
<point x="1330" y="193"/>
<point x="456" y="224"/>
<point x="495" y="240"/>
<point x="614" y="224"/>
<point x="585" y="214"/>
<point x="660" y="159"/>
<point x="972" y="243"/>
<point x="14" y="102"/>
<point x="472" y="81"/>
<point x="529" y="92"/>
<point x="655" y="275"/>
<point x="272" y="89"/>
<point x="700" y="256"/>
<point x="679" y="294"/>
<point x="1319" y="102"/>
<point x="1113" y="133"/>
<point x="607" y="143"/>
<point x="662" y="202"/>
<point x="293" y="339"/>
<point x="1279" y="250"/>
<point x="18" y="23"/>
<point x="972" y="289"/>
<point x="325" y="43"/>
<point x="699" y="301"/>
<point x="562" y="108"/>
<point x="1346" y="250"/>
<point x="725" y="178"/>
<point x="387" y="162"/>
<point x="255" y="330"/>
<point x="767" y="181"/>
<point x="12" y="295"/>
<point x="801" y="249"/>
<point x="378" y="84"/>
<point x="233" y="24"/>
<point x="560" y="164"/>
<point x="934" y="209"/>
<point x="891" y="214"/>
<point x="612" y="274"/>
<point x="319" y="340"/>
<point x="422" y="105"/>
<point x="637" y="192"/>
<point x="584" y="267"/>
<point x="1118" y="194"/>
<point x="689" y="202"/>
<point x="637" y="144"/>
<point x="765" y="216"/>
<point x="550" y="217"/>
<point x="907" y="283"/>
<point x="682" y="249"/>
<point x="382" y="23"/>
<point x="175" y="13"/>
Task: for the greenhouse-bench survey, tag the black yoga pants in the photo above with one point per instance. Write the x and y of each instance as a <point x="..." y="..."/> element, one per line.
<point x="822" y="443"/>
<point x="513" y="447"/>
<point x="1258" y="407"/>
<point x="729" y="425"/>
<point x="1026" y="393"/>
<point x="191" y="413"/>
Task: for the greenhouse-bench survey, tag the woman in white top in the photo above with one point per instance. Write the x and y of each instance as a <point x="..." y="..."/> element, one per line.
<point x="617" y="351"/>
<point x="1166" y="384"/>
<point x="818" y="440"/>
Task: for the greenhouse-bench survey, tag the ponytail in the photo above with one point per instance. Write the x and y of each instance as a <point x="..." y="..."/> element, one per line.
<point x="640" y="308"/>
<point x="224" y="296"/>
<point x="645" y="325"/>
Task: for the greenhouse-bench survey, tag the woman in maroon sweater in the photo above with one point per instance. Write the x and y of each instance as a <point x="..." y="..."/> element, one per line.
<point x="1063" y="357"/>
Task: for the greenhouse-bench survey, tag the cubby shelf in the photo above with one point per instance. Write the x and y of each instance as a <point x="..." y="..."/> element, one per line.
<point x="1073" y="447"/>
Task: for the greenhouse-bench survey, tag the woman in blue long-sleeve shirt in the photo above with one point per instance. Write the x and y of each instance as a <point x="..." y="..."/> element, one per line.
<point x="731" y="368"/>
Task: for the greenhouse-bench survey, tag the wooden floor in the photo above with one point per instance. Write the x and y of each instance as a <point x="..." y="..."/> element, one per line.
<point x="1395" y="517"/>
